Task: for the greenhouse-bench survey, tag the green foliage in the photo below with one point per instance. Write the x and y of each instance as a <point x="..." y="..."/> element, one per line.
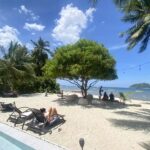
<point x="84" y="59"/>
<point x="122" y="96"/>
<point x="137" y="13"/>
<point x="17" y="71"/>
<point x="15" y="66"/>
<point x="40" y="55"/>
<point x="39" y="84"/>
<point x="81" y="62"/>
<point x="125" y="96"/>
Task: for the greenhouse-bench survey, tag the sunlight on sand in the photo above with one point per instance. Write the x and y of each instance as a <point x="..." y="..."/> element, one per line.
<point x="103" y="125"/>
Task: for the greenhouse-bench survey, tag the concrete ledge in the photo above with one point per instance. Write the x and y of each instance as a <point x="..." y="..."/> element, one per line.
<point x="29" y="140"/>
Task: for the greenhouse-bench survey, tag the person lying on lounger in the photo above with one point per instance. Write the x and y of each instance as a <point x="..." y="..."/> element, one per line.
<point x="50" y="114"/>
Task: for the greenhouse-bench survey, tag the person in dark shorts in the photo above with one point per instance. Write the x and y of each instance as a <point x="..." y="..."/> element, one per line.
<point x="100" y="92"/>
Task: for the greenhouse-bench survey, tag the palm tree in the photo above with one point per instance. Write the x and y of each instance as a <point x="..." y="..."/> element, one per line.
<point x="40" y="55"/>
<point x="137" y="12"/>
<point x="15" y="66"/>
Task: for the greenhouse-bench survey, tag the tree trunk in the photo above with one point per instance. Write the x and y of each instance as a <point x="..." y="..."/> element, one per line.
<point x="84" y="88"/>
<point x="85" y="93"/>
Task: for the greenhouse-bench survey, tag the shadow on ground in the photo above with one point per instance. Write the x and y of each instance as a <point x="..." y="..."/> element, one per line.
<point x="145" y="145"/>
<point x="30" y="95"/>
<point x="47" y="129"/>
<point x="140" y="120"/>
<point x="64" y="102"/>
<point x="97" y="104"/>
<point x="107" y="105"/>
<point x="141" y="114"/>
<point x="131" y="124"/>
<point x="148" y="103"/>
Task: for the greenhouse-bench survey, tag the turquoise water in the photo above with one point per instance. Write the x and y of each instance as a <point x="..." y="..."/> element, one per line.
<point x="9" y="143"/>
<point x="141" y="94"/>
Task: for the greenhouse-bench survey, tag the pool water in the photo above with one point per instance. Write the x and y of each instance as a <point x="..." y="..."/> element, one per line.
<point x="9" y="143"/>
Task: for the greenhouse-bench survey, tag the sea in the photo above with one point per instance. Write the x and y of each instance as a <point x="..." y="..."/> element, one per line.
<point x="130" y="93"/>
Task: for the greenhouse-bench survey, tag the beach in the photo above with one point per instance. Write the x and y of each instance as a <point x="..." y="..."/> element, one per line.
<point x="104" y="126"/>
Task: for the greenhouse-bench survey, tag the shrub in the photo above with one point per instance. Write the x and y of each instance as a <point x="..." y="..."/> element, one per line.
<point x="122" y="96"/>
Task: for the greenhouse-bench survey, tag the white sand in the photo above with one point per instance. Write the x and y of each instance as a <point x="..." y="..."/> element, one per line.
<point x="109" y="126"/>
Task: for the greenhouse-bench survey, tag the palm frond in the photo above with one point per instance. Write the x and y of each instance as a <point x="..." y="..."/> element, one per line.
<point x="145" y="41"/>
<point x="137" y="12"/>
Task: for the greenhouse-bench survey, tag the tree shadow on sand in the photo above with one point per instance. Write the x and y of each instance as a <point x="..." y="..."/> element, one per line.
<point x="30" y="95"/>
<point x="143" y="122"/>
<point x="98" y="104"/>
<point x="107" y="105"/>
<point x="131" y="124"/>
<point x="64" y="102"/>
<point x="146" y="146"/>
<point x="142" y="114"/>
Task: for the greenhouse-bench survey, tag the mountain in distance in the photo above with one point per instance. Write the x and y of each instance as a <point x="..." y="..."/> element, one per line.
<point x="141" y="86"/>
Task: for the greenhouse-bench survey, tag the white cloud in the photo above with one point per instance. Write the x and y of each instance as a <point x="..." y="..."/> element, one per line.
<point x="29" y="46"/>
<point x="117" y="47"/>
<point x="71" y="23"/>
<point x="89" y="13"/>
<point x="8" y="34"/>
<point x="34" y="26"/>
<point x="26" y="11"/>
<point x="23" y="9"/>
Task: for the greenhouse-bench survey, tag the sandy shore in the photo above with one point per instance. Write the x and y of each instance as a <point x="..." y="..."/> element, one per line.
<point x="104" y="126"/>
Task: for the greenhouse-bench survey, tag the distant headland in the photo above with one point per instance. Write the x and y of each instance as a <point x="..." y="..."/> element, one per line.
<point x="140" y="85"/>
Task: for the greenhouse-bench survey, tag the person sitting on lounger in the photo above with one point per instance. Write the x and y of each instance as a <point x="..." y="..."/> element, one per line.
<point x="105" y="96"/>
<point x="111" y="97"/>
<point x="49" y="115"/>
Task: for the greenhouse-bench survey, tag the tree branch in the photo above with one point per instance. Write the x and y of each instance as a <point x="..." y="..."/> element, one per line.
<point x="92" y="84"/>
<point x="74" y="82"/>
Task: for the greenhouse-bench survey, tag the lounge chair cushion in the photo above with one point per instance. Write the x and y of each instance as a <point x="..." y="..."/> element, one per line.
<point x="55" y="119"/>
<point x="26" y="114"/>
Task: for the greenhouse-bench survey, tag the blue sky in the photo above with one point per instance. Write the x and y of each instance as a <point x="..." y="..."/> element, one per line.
<point x="65" y="21"/>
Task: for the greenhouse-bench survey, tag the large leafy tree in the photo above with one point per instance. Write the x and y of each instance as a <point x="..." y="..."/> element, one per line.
<point x="15" y="66"/>
<point x="80" y="63"/>
<point x="40" y="54"/>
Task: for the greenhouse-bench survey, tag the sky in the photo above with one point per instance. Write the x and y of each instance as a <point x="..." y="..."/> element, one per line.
<point x="64" y="22"/>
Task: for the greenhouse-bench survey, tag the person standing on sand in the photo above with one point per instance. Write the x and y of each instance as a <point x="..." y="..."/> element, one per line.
<point x="100" y="92"/>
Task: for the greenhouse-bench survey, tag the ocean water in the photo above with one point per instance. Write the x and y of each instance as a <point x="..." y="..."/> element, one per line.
<point x="139" y="94"/>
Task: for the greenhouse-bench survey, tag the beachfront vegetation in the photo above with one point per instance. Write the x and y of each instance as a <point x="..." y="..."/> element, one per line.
<point x="21" y="71"/>
<point x="40" y="55"/>
<point x="81" y="62"/>
<point x="122" y="97"/>
<point x="15" y="66"/>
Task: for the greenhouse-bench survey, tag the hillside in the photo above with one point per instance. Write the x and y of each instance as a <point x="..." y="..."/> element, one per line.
<point x="140" y="85"/>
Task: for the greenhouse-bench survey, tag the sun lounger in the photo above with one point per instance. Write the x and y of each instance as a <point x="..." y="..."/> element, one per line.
<point x="10" y="94"/>
<point x="7" y="107"/>
<point x="39" y="123"/>
<point x="20" y="115"/>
